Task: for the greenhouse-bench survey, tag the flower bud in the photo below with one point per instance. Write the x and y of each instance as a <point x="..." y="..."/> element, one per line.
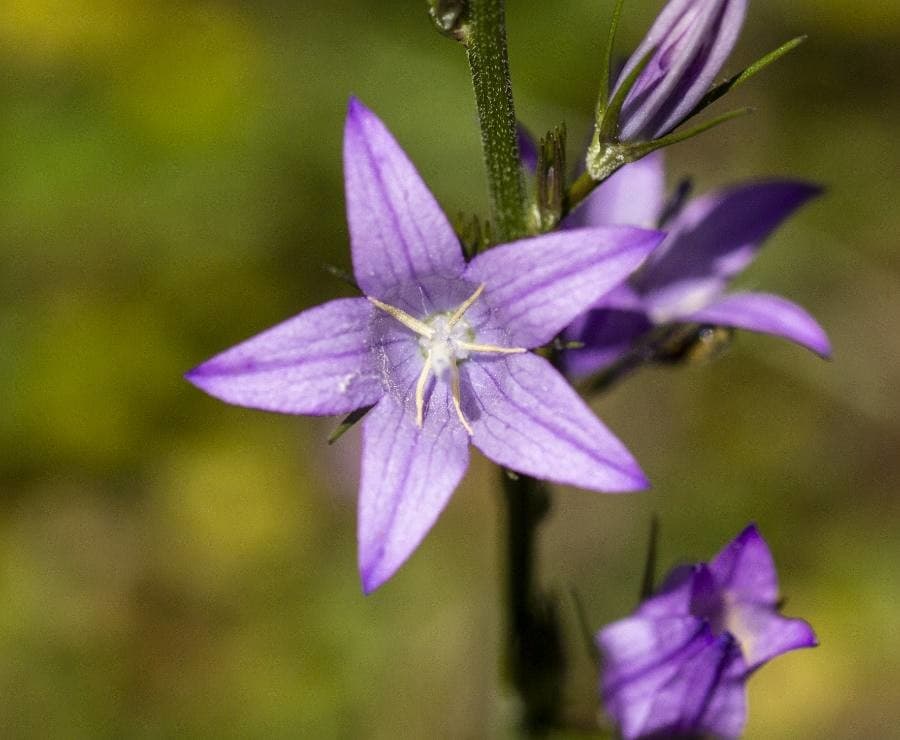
<point x="691" y="39"/>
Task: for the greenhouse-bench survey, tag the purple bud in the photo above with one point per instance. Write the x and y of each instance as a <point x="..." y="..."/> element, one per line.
<point x="692" y="39"/>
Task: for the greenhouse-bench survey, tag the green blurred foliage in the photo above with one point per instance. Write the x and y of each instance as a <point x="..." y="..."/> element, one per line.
<point x="171" y="184"/>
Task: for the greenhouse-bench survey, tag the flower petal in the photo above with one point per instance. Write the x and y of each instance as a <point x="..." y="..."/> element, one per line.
<point x="764" y="634"/>
<point x="527" y="417"/>
<point x="633" y="196"/>
<point x="694" y="38"/>
<point x="641" y="656"/>
<point x="769" y="314"/>
<point x="408" y="475"/>
<point x="705" y="696"/>
<point x="745" y="567"/>
<point x="713" y="239"/>
<point x="536" y="287"/>
<point x="607" y="331"/>
<point x="316" y="363"/>
<point x="744" y="572"/>
<point x="673" y="598"/>
<point x="398" y="232"/>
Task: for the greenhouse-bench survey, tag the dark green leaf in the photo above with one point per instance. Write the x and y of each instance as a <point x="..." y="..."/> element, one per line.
<point x="349" y="420"/>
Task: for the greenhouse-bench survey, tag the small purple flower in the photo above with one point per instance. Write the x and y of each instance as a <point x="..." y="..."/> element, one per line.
<point x="439" y="348"/>
<point x="678" y="666"/>
<point x="712" y="240"/>
<point x="692" y="38"/>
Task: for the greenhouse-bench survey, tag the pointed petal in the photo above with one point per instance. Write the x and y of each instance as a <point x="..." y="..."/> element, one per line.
<point x="769" y="314"/>
<point x="536" y="287"/>
<point x="527" y="417"/>
<point x="694" y="38"/>
<point x="408" y="475"/>
<point x="745" y="573"/>
<point x="745" y="567"/>
<point x="633" y="196"/>
<point x="316" y="363"/>
<point x="764" y="634"/>
<point x="398" y="232"/>
<point x="713" y="239"/>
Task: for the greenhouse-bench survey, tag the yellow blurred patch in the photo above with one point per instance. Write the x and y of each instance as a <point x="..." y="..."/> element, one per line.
<point x="48" y="30"/>
<point x="234" y="500"/>
<point x="192" y="79"/>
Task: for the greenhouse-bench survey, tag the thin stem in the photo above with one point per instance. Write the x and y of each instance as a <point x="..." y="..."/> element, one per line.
<point x="534" y="644"/>
<point x="534" y="649"/>
<point x="489" y="65"/>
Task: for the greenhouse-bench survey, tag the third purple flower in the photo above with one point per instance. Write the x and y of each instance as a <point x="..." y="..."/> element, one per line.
<point x="677" y="667"/>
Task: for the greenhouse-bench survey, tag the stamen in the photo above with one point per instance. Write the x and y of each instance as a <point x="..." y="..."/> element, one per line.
<point x="465" y="306"/>
<point x="492" y="349"/>
<point x="420" y="391"/>
<point x="454" y="389"/>
<point x="419" y="327"/>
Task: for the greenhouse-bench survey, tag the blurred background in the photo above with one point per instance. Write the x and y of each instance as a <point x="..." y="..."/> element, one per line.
<point x="170" y="183"/>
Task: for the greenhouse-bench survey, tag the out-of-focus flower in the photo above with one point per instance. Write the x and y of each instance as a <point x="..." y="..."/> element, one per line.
<point x="692" y="39"/>
<point x="438" y="347"/>
<point x="678" y="666"/>
<point x="710" y="241"/>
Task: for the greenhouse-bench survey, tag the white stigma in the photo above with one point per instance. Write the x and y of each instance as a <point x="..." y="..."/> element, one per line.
<point x="445" y="339"/>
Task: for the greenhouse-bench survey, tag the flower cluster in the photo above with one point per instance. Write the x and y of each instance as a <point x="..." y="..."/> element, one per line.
<point x="440" y="351"/>
<point x="678" y="666"/>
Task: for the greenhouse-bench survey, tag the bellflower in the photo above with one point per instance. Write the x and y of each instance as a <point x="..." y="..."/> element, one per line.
<point x="679" y="665"/>
<point x="692" y="38"/>
<point x="709" y="242"/>
<point x="438" y="347"/>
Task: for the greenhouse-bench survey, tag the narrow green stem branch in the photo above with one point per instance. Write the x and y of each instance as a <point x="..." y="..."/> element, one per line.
<point x="489" y="65"/>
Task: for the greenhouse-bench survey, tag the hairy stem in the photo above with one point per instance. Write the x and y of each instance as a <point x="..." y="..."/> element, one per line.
<point x="489" y="65"/>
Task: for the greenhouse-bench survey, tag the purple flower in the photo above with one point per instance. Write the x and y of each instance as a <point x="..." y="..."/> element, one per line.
<point x="712" y="240"/>
<point x="692" y="38"/>
<point x="439" y="348"/>
<point x="678" y="665"/>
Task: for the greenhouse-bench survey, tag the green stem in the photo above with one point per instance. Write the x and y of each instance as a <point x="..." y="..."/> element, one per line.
<point x="534" y="650"/>
<point x="489" y="65"/>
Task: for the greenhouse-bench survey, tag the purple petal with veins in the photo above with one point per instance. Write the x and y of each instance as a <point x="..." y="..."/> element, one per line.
<point x="440" y="348"/>
<point x="408" y="476"/>
<point x="317" y="363"/>
<point x="526" y="417"/>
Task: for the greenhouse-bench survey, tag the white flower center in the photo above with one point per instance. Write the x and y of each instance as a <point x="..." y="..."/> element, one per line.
<point x="444" y="339"/>
<point x="449" y="343"/>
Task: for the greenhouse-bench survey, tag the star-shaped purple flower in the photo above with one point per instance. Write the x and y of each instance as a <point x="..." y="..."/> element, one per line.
<point x="678" y="666"/>
<point x="711" y="241"/>
<point x="692" y="38"/>
<point x="439" y="348"/>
